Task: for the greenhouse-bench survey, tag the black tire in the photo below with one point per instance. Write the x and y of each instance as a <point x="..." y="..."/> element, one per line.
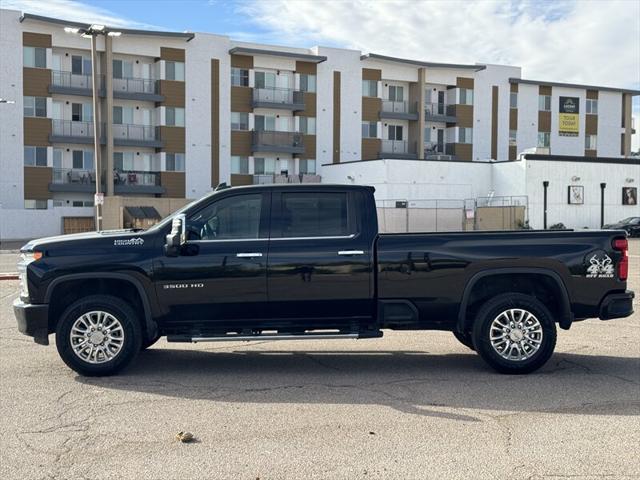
<point x="465" y="338"/>
<point x="491" y="310"/>
<point x="132" y="335"/>
<point x="147" y="342"/>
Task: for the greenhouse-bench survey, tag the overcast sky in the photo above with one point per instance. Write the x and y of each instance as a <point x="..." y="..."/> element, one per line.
<point x="591" y="42"/>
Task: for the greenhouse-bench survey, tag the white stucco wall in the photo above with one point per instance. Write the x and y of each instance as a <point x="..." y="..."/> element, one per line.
<point x="609" y="124"/>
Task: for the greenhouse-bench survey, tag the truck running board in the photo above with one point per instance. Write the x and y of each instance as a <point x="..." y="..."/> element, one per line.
<point x="274" y="336"/>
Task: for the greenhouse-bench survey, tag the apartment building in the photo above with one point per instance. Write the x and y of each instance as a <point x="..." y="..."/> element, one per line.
<point x="179" y="113"/>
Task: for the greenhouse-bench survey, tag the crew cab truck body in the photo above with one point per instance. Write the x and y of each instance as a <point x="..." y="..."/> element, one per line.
<point x="307" y="261"/>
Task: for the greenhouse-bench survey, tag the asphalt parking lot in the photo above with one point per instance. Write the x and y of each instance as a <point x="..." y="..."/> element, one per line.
<point x="409" y="405"/>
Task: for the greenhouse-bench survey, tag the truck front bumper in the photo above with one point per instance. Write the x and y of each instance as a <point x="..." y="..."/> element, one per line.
<point x="33" y="320"/>
<point x="617" y="305"/>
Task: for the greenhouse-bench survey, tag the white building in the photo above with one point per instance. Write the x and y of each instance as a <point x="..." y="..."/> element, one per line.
<point x="181" y="112"/>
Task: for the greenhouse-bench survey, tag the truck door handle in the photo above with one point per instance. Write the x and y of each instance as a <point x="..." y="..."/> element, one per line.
<point x="248" y="255"/>
<point x="351" y="252"/>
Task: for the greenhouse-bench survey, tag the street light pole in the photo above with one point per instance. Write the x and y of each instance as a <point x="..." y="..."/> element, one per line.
<point x="96" y="129"/>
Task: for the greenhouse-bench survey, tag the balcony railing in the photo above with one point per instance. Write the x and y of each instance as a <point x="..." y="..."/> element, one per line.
<point x="437" y="151"/>
<point x="439" y="111"/>
<point x="395" y="106"/>
<point x="73" y="176"/>
<point x="270" y="141"/>
<point x="134" y="178"/>
<point x="143" y="133"/>
<point x="69" y="128"/>
<point x="398" y="147"/>
<point x="278" y="98"/>
<point x="69" y="80"/>
<point x="135" y="85"/>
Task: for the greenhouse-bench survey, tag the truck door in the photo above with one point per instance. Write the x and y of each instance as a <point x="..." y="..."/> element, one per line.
<point x="320" y="261"/>
<point x="221" y="274"/>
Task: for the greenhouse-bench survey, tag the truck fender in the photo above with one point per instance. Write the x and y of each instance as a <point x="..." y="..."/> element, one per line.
<point x="565" y="319"/>
<point x="151" y="326"/>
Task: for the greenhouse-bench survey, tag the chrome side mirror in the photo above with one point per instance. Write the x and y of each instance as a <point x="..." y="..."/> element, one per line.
<point x="177" y="237"/>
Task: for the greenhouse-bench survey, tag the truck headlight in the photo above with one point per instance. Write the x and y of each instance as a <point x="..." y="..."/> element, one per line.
<point x="25" y="259"/>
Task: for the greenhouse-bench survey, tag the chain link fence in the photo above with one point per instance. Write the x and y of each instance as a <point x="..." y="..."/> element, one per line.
<point x="483" y="213"/>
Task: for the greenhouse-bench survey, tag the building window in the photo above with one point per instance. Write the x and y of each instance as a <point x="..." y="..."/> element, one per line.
<point x="465" y="135"/>
<point x="396" y="94"/>
<point x="513" y="100"/>
<point x="80" y="65"/>
<point x="466" y="96"/>
<point x="307" y="125"/>
<point x="82" y="112"/>
<point x="544" y="139"/>
<point x="122" y="69"/>
<point x="513" y="138"/>
<point x="265" y="123"/>
<point x="122" y="161"/>
<point x="174" y="162"/>
<point x="174" y="117"/>
<point x="590" y="142"/>
<point x="308" y="166"/>
<point x="544" y="103"/>
<point x="122" y="115"/>
<point x="307" y="82"/>
<point x="174" y="71"/>
<point x="239" y="121"/>
<point x="239" y="77"/>
<point x="82" y="159"/>
<point x="35" y="156"/>
<point x="82" y="203"/>
<point x="34" y="57"/>
<point x="592" y="106"/>
<point x="35" y="106"/>
<point x="35" y="204"/>
<point x="58" y="153"/>
<point x="394" y="132"/>
<point x="240" y="165"/>
<point x="264" y="166"/>
<point x="369" y="88"/>
<point x="265" y="80"/>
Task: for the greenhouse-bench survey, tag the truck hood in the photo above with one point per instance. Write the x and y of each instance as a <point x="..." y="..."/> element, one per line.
<point x="127" y="235"/>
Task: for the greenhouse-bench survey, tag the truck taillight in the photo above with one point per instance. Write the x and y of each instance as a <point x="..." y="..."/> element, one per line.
<point x="622" y="245"/>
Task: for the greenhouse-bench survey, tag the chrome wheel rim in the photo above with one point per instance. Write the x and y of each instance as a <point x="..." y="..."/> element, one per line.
<point x="96" y="337"/>
<point x="516" y="334"/>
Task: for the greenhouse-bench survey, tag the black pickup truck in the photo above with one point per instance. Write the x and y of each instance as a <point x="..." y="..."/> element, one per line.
<point x="285" y="262"/>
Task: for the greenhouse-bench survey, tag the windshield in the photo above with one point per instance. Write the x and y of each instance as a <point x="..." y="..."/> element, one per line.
<point x="630" y="221"/>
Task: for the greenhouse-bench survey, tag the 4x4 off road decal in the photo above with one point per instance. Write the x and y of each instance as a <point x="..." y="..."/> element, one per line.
<point x="128" y="241"/>
<point x="600" y="266"/>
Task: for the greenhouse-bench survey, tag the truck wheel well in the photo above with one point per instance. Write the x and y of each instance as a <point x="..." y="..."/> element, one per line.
<point x="65" y="293"/>
<point x="543" y="287"/>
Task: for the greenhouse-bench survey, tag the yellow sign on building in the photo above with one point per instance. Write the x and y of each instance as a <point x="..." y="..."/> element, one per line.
<point x="569" y="116"/>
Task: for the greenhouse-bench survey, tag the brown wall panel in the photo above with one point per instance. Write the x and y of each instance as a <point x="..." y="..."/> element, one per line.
<point x="371" y="148"/>
<point x="173" y="92"/>
<point x="36" y="40"/>
<point x="172" y="54"/>
<point x="544" y="90"/>
<point x="174" y="183"/>
<point x="36" y="183"/>
<point x="309" y="68"/>
<point x="241" y="99"/>
<point x="464" y="115"/>
<point x="242" y="61"/>
<point x="241" y="143"/>
<point x="37" y="131"/>
<point x="591" y="124"/>
<point x="371" y="109"/>
<point x="36" y="81"/>
<point x="513" y="152"/>
<point x="310" y="100"/>
<point x="463" y="151"/>
<point x="592" y="94"/>
<point x="463" y="82"/>
<point x="544" y="121"/>
<point x="215" y="122"/>
<point x="494" y="122"/>
<point x="238" y="179"/>
<point x="173" y="138"/>
<point x="336" y="116"/>
<point x="371" y="74"/>
<point x="309" y="142"/>
<point x="513" y="119"/>
<point x="513" y="87"/>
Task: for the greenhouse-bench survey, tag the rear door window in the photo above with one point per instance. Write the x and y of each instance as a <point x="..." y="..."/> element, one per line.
<point x="315" y="214"/>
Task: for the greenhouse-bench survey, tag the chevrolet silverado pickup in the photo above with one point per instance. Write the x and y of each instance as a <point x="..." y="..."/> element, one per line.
<point x="290" y="262"/>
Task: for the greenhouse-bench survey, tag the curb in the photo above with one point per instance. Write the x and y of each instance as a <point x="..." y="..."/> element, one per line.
<point x="9" y="276"/>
